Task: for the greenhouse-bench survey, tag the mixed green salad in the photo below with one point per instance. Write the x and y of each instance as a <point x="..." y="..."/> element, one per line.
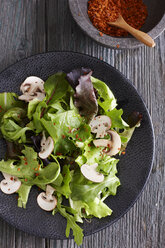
<point x="65" y="136"/>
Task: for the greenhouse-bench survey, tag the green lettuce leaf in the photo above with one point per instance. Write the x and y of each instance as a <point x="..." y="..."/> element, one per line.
<point x="94" y="208"/>
<point x="23" y="194"/>
<point x="71" y="224"/>
<point x="87" y="191"/>
<point x="106" y="99"/>
<point x="56" y="86"/>
<point x="64" y="189"/>
<point x="12" y="125"/>
<point x="29" y="170"/>
<point x="9" y="100"/>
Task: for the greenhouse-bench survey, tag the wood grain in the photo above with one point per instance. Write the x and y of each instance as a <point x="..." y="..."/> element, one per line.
<point x="30" y="27"/>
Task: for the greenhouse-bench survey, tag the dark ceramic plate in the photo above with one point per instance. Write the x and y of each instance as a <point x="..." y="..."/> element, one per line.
<point x="134" y="167"/>
<point x="154" y="25"/>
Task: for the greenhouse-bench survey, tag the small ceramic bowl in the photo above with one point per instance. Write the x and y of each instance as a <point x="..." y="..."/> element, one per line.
<point x="154" y="25"/>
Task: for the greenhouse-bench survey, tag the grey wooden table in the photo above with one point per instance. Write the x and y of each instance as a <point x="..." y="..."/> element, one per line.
<point x="29" y="27"/>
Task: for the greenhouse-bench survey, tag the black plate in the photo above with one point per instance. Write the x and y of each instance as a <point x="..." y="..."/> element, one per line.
<point x="134" y="167"/>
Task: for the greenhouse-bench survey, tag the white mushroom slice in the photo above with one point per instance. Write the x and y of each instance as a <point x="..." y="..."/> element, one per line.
<point x="89" y="171"/>
<point x="100" y="125"/>
<point x="114" y="144"/>
<point x="10" y="184"/>
<point x="47" y="146"/>
<point x="46" y="200"/>
<point x="32" y="87"/>
<point x="32" y="84"/>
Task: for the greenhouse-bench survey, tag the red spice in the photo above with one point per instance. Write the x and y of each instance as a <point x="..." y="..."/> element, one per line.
<point x="101" y="12"/>
<point x="76" y="136"/>
<point x="26" y="163"/>
<point x="117" y="45"/>
<point x="11" y="178"/>
<point x="100" y="33"/>
<point x="25" y="158"/>
<point x="36" y="174"/>
<point x="80" y="139"/>
<point x="18" y="169"/>
<point x="89" y="145"/>
<point x="54" y="123"/>
<point x="123" y="153"/>
<point x="58" y="153"/>
<point x="25" y="180"/>
<point x="63" y="136"/>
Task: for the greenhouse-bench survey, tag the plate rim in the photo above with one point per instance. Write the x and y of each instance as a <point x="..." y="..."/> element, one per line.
<point x="153" y="145"/>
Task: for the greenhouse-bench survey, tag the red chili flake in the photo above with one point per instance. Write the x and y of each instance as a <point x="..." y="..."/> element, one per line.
<point x="117" y="45"/>
<point x="26" y="163"/>
<point x="63" y="136"/>
<point x="25" y="158"/>
<point x="76" y="136"/>
<point x="100" y="33"/>
<point x="89" y="151"/>
<point x="25" y="180"/>
<point x="123" y="153"/>
<point x="18" y="116"/>
<point x="18" y="169"/>
<point x="70" y="130"/>
<point x="89" y="145"/>
<point x="36" y="169"/>
<point x="108" y="145"/>
<point x="58" y="153"/>
<point x="54" y="123"/>
<point x="80" y="139"/>
<point x="11" y="178"/>
<point x="0" y="106"/>
<point x="36" y="174"/>
<point x="119" y="149"/>
<point x="38" y="166"/>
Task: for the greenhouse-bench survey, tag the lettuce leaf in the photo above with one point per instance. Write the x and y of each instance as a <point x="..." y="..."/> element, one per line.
<point x="9" y="100"/>
<point x="88" y="191"/>
<point x="12" y="125"/>
<point x="71" y="224"/>
<point x="23" y="194"/>
<point x="106" y="99"/>
<point x="94" y="208"/>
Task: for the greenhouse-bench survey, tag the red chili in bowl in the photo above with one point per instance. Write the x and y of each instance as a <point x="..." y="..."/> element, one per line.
<point x="100" y="12"/>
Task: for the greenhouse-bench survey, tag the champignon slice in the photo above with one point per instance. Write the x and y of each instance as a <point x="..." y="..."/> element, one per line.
<point x="114" y="144"/>
<point x="89" y="171"/>
<point x="47" y="146"/>
<point x="46" y="200"/>
<point x="32" y="87"/>
<point x="10" y="184"/>
<point x="100" y="125"/>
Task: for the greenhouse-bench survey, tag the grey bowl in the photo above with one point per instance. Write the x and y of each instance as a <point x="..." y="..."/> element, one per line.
<point x="154" y="26"/>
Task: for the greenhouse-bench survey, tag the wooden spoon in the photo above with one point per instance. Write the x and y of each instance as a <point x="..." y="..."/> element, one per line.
<point x="139" y="35"/>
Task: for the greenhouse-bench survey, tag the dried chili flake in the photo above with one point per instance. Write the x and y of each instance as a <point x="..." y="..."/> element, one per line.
<point x="11" y="178"/>
<point x="58" y="153"/>
<point x="80" y="139"/>
<point x="25" y="180"/>
<point x="26" y="163"/>
<point x="18" y="169"/>
<point x="123" y="152"/>
<point x="25" y="158"/>
<point x="101" y="12"/>
<point x="63" y="136"/>
<point x="36" y="174"/>
<point x="100" y="33"/>
<point x="76" y="136"/>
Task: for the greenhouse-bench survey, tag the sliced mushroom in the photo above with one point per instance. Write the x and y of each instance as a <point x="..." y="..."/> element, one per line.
<point x="46" y="200"/>
<point x="10" y="184"/>
<point x="47" y="146"/>
<point x="114" y="144"/>
<point x="100" y="125"/>
<point x="89" y="172"/>
<point x="32" y="87"/>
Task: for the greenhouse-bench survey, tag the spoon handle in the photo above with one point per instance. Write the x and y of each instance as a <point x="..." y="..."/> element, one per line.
<point x="139" y="35"/>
